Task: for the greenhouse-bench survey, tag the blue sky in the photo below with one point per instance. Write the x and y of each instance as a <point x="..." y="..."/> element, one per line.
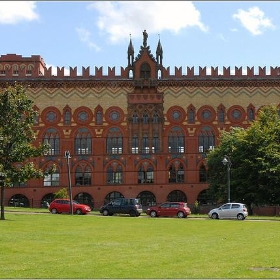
<point x="97" y="33"/>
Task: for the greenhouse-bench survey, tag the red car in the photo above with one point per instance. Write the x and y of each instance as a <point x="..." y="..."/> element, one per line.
<point x="62" y="205"/>
<point x="170" y="209"/>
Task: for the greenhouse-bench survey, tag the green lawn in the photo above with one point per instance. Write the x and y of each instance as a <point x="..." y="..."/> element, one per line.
<point x="93" y="246"/>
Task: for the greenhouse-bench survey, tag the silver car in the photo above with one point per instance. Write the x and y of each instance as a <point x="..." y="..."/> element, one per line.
<point x="229" y="211"/>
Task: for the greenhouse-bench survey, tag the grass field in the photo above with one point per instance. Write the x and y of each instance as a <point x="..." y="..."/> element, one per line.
<point x="92" y="246"/>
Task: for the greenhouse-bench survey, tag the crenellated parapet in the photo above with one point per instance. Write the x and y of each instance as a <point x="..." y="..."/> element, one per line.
<point x="15" y="66"/>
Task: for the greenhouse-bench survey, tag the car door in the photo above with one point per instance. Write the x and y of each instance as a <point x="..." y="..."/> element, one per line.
<point x="235" y="208"/>
<point x="174" y="208"/>
<point x="225" y="211"/>
<point x="115" y="206"/>
<point x="164" y="209"/>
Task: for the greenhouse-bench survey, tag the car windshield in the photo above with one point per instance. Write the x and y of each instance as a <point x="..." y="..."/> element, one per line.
<point x="75" y="202"/>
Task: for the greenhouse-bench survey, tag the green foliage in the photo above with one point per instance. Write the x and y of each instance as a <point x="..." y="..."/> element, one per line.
<point x="17" y="118"/>
<point x="255" y="157"/>
<point x="42" y="246"/>
<point x="196" y="207"/>
<point x="62" y="193"/>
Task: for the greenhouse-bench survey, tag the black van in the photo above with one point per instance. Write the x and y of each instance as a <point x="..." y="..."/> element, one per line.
<point x="130" y="206"/>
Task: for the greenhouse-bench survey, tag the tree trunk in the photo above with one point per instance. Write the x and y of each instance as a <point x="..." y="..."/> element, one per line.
<point x="2" y="202"/>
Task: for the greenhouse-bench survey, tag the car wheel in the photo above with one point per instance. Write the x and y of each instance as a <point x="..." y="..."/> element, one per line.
<point x="105" y="212"/>
<point x="240" y="217"/>
<point x="79" y="212"/>
<point x="54" y="211"/>
<point x="153" y="214"/>
<point x="180" y="214"/>
<point x="214" y="216"/>
<point x="132" y="213"/>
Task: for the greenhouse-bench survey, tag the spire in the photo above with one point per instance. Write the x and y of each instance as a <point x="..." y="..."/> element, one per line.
<point x="130" y="52"/>
<point x="159" y="52"/>
<point x="145" y="37"/>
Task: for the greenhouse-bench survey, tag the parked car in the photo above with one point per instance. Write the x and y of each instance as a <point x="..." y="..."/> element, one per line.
<point x="169" y="209"/>
<point x="229" y="211"/>
<point x="62" y="205"/>
<point x="130" y="206"/>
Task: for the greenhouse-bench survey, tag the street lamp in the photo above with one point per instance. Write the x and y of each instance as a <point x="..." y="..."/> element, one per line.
<point x="68" y="156"/>
<point x="226" y="161"/>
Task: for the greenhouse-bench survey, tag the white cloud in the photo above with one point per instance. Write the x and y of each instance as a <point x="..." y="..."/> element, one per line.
<point x="122" y="18"/>
<point x="85" y="37"/>
<point x="12" y="12"/>
<point x="254" y="20"/>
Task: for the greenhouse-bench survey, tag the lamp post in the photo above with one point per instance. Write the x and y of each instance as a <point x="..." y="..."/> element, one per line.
<point x="68" y="156"/>
<point x="226" y="161"/>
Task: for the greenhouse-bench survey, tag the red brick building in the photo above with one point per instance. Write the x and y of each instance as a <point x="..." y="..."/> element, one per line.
<point x="142" y="133"/>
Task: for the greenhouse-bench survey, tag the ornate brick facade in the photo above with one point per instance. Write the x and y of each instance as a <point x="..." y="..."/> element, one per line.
<point x="143" y="133"/>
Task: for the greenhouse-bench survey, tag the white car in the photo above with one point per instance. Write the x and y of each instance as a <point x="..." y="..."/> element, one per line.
<point x="229" y="211"/>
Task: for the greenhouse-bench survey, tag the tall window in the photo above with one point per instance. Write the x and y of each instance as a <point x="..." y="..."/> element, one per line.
<point x="202" y="173"/>
<point x="114" y="141"/>
<point x="51" y="138"/>
<point x="135" y="143"/>
<point x="251" y="114"/>
<point x="145" y="118"/>
<point x="135" y="118"/>
<point x="155" y="148"/>
<point x="176" y="173"/>
<point x="145" y="174"/>
<point x="206" y="139"/>
<point x="83" y="142"/>
<point x="155" y="117"/>
<point x="176" y="142"/>
<point x="221" y="115"/>
<point x="83" y="176"/>
<point x="191" y="115"/>
<point x="67" y="117"/>
<point x="145" y="71"/>
<point x="98" y="117"/>
<point x="51" y="180"/>
<point x="145" y="144"/>
<point x="114" y="174"/>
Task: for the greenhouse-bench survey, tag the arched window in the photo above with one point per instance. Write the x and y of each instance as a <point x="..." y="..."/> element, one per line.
<point x="176" y="173"/>
<point x="145" y="71"/>
<point x="202" y="174"/>
<point x="176" y="142"/>
<point x="114" y="141"/>
<point x="114" y="174"/>
<point x="51" y="138"/>
<point x="145" y="174"/>
<point x="155" y="117"/>
<point x="135" y="118"/>
<point x="83" y="142"/>
<point x="155" y="147"/>
<point x="67" y="117"/>
<point x="251" y="114"/>
<point x="135" y="143"/>
<point x="191" y="115"/>
<point x="51" y="180"/>
<point x="206" y="139"/>
<point x="112" y="196"/>
<point x="145" y="118"/>
<point x="99" y="117"/>
<point x="83" y="175"/>
<point x="221" y="115"/>
<point x="177" y="195"/>
<point x="145" y="144"/>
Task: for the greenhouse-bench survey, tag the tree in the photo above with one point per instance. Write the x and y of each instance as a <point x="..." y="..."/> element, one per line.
<point x="62" y="193"/>
<point x="17" y="118"/>
<point x="255" y="157"/>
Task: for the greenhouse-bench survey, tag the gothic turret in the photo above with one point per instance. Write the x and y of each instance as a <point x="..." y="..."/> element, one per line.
<point x="159" y="53"/>
<point x="130" y="53"/>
